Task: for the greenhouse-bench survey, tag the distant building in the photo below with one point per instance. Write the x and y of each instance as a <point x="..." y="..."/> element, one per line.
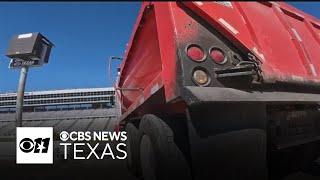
<point x="90" y="98"/>
<point x="91" y="109"/>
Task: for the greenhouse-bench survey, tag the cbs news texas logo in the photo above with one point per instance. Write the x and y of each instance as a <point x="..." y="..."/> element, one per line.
<point x="34" y="145"/>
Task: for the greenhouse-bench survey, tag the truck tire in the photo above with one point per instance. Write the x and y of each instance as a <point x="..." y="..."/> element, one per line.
<point x="133" y="145"/>
<point x="161" y="159"/>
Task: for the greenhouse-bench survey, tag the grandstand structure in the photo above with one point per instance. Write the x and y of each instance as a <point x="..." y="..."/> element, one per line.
<point x="88" y="109"/>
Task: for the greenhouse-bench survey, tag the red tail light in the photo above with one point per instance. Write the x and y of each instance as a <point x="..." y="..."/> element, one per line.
<point x="218" y="56"/>
<point x="195" y="53"/>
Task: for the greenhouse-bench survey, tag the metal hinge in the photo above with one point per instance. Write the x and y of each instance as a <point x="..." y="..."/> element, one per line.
<point x="243" y="68"/>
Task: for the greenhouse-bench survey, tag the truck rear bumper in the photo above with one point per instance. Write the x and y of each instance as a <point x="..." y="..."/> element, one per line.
<point x="194" y="95"/>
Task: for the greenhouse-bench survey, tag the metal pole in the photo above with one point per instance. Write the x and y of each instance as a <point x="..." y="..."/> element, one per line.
<point x="20" y="95"/>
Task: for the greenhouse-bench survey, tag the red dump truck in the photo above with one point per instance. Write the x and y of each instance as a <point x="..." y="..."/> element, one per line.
<point x="221" y="90"/>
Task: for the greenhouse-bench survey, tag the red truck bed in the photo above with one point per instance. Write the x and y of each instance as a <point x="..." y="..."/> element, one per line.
<point x="286" y="40"/>
<point x="230" y="79"/>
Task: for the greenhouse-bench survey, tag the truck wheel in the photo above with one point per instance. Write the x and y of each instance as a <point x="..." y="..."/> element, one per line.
<point x="161" y="159"/>
<point x="133" y="145"/>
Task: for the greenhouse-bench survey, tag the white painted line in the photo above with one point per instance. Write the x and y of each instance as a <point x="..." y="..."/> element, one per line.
<point x="154" y="88"/>
<point x="313" y="70"/>
<point x="259" y="54"/>
<point x="296" y="34"/>
<point x="297" y="78"/>
<point x="227" y="25"/>
<point x="141" y="100"/>
<point x="199" y="3"/>
<point x="225" y="3"/>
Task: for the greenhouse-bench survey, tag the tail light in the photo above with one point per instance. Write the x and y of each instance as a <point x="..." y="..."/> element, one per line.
<point x="195" y="53"/>
<point x="208" y="58"/>
<point x="218" y="56"/>
<point x="201" y="77"/>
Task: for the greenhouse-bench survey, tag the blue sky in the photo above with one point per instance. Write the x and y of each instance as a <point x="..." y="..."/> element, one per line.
<point x="85" y="35"/>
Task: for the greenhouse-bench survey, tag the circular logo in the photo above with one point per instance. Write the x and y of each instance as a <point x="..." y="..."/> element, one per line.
<point x="26" y="145"/>
<point x="64" y="136"/>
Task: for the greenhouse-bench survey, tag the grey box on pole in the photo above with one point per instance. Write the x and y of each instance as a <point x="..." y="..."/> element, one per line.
<point x="30" y="47"/>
